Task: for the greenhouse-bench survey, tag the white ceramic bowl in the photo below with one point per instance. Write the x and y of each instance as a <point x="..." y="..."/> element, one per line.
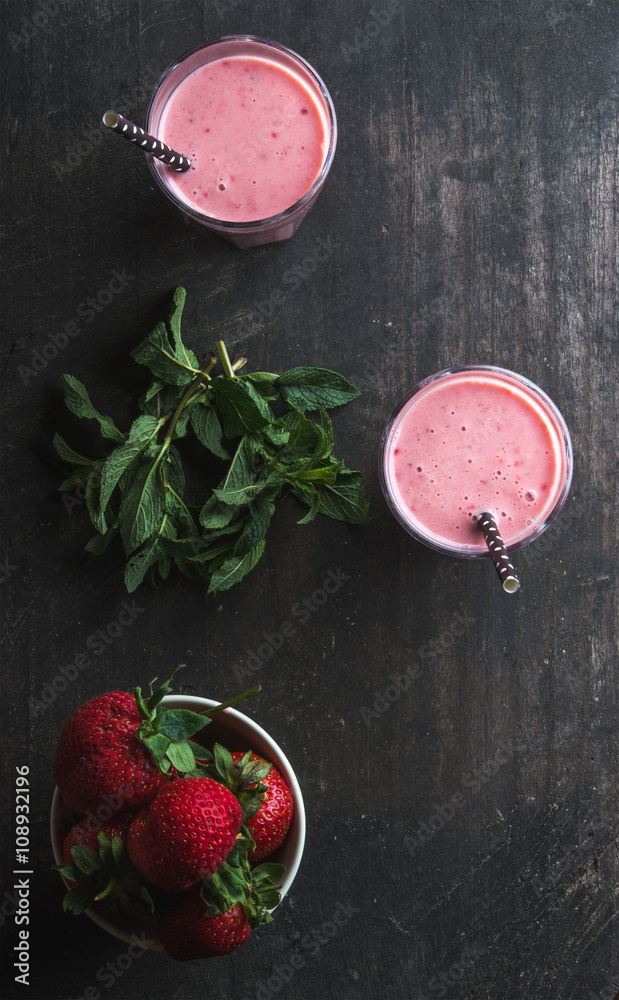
<point x="235" y="731"/>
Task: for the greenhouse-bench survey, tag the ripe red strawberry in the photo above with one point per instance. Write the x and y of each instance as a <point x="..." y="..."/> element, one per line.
<point x="100" y="759"/>
<point x="96" y="866"/>
<point x="185" y="833"/>
<point x="269" y="826"/>
<point x="120" y="748"/>
<point x="186" y="932"/>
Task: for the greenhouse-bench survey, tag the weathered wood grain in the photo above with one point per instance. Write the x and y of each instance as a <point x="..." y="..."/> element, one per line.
<point x="465" y="833"/>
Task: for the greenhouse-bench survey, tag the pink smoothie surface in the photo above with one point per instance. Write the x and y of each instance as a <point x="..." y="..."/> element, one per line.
<point x="256" y="134"/>
<point x="470" y="443"/>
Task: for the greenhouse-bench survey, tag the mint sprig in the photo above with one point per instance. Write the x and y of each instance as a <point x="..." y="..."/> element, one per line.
<point x="257" y="423"/>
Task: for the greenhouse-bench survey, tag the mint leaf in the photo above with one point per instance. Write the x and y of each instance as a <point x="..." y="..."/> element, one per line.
<point x="176" y="475"/>
<point x="142" y="508"/>
<point x="139" y="564"/>
<point x="239" y="495"/>
<point x="242" y="407"/>
<point x="93" y="502"/>
<point x="215" y="514"/>
<point x="262" y="383"/>
<point x="78" y="477"/>
<point x="242" y="470"/>
<point x="180" y="514"/>
<point x="161" y="399"/>
<point x="344" y="500"/>
<point x="326" y="474"/>
<point x="67" y="454"/>
<point x="314" y="500"/>
<point x="302" y="436"/>
<point x="311" y="388"/>
<point x="324" y="436"/>
<point x="184" y="355"/>
<point x="233" y="570"/>
<point x="78" y="401"/>
<point x="261" y="511"/>
<point x="142" y="432"/>
<point x="157" y="353"/>
<point x="207" y="429"/>
<point x="100" y="542"/>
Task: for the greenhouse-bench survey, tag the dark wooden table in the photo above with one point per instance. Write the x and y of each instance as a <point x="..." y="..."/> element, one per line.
<point x="462" y="839"/>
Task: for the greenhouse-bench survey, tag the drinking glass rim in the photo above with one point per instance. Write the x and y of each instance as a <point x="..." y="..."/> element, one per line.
<point x="239" y="227"/>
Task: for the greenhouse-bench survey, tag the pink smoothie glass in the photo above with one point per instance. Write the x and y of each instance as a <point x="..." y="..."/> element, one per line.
<point x="261" y="142"/>
<point x="473" y="439"/>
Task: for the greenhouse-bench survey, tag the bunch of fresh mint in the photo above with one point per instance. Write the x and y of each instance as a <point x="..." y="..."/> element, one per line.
<point x="136" y="491"/>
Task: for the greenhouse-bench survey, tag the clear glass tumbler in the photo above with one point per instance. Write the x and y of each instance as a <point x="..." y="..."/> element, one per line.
<point x="473" y="439"/>
<point x="256" y="231"/>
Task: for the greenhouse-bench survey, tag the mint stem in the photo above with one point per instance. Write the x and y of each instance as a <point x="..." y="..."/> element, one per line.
<point x="225" y="359"/>
<point x="233" y="701"/>
<point x="198" y="383"/>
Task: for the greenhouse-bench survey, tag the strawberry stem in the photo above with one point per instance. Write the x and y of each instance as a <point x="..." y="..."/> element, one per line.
<point x="209" y="712"/>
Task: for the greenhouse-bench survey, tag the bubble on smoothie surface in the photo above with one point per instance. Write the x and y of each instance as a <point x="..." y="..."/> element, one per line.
<point x="530" y="495"/>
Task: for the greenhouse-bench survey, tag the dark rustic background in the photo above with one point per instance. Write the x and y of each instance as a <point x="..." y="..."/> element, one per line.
<point x="470" y="216"/>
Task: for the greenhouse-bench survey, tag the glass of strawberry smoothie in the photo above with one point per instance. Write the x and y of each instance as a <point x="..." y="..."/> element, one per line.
<point x="474" y="439"/>
<point x="259" y="127"/>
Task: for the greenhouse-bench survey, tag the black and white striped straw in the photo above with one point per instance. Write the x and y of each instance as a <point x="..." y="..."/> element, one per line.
<point x="496" y="547"/>
<point x="146" y="141"/>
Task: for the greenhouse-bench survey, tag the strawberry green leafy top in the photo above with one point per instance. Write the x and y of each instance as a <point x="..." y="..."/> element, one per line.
<point x="255" y="423"/>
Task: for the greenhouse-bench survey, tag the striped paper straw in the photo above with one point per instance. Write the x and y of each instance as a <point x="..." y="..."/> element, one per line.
<point x="496" y="547"/>
<point x="146" y="141"/>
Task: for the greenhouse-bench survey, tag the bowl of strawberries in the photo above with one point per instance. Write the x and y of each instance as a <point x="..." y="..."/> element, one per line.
<point x="177" y="822"/>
